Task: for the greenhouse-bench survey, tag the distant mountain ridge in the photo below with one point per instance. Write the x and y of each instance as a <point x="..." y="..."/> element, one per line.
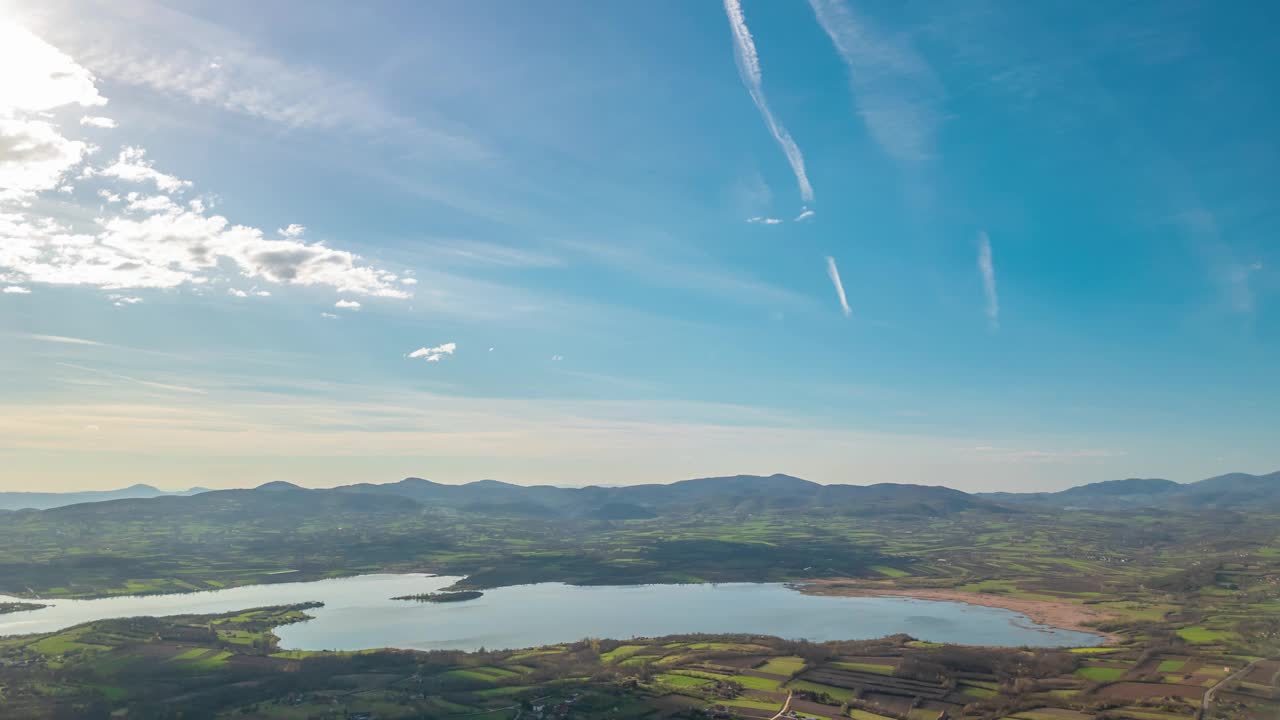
<point x="736" y="493"/>
<point x="47" y="500"/>
<point x="1230" y="491"/>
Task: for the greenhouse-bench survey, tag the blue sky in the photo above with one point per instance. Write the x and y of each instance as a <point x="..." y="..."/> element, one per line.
<point x="581" y="242"/>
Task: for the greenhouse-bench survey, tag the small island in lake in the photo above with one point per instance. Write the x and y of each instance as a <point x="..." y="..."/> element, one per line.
<point x="441" y="597"/>
<point x="13" y="607"/>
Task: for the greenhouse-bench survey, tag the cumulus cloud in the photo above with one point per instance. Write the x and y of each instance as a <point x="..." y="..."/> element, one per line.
<point x="764" y="220"/>
<point x="132" y="166"/>
<point x="98" y="121"/>
<point x="987" y="269"/>
<point x="433" y="354"/>
<point x="123" y="300"/>
<point x="34" y="157"/>
<point x="347" y="305"/>
<point x="744" y="53"/>
<point x="233" y="292"/>
<point x="16" y="290"/>
<point x="834" y="273"/>
<point x="150" y="242"/>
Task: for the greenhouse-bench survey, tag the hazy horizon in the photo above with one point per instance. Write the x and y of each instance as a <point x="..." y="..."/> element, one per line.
<point x="666" y="481"/>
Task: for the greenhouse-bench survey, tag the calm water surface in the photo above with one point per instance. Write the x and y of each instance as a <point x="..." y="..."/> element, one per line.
<point x="359" y="614"/>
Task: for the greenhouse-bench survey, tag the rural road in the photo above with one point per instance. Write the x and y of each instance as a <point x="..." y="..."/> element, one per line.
<point x="785" y="706"/>
<point x="1207" y="702"/>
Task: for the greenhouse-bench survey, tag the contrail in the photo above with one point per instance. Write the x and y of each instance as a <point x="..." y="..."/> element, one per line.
<point x="988" y="270"/>
<point x="834" y="274"/>
<point x="749" y="69"/>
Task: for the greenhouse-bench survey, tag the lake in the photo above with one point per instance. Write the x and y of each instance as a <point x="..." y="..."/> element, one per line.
<point x="360" y="614"/>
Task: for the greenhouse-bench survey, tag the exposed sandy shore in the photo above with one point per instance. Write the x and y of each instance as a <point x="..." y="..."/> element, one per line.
<point x="1064" y="615"/>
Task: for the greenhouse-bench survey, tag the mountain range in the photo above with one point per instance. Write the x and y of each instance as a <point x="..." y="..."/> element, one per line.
<point x="738" y="493"/>
<point x="46" y="500"/>
<point x="1230" y="491"/>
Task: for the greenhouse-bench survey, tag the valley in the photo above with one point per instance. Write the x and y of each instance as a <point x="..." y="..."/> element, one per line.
<point x="1187" y="601"/>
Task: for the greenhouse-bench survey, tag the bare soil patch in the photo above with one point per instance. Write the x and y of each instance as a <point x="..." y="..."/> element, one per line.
<point x="1059" y="614"/>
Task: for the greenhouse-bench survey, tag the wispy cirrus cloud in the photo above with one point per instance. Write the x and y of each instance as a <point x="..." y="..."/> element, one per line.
<point x="987" y="269"/>
<point x="476" y="252"/>
<point x="748" y="61"/>
<point x="834" y="273"/>
<point x="895" y="91"/>
<point x="759" y="220"/>
<point x="153" y="384"/>
<point x="181" y="54"/>
<point x="63" y="340"/>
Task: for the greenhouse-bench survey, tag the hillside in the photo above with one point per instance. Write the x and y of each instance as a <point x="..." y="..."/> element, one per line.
<point x="737" y="493"/>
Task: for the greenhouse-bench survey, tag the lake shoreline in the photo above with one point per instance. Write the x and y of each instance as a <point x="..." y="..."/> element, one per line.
<point x="360" y="613"/>
<point x="1057" y="614"/>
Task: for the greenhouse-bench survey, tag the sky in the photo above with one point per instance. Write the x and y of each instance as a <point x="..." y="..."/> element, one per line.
<point x="991" y="245"/>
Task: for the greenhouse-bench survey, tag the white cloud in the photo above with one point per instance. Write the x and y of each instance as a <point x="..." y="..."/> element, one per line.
<point x="37" y="77"/>
<point x="408" y="281"/>
<point x="155" y="243"/>
<point x="834" y="274"/>
<point x="16" y="290"/>
<point x="895" y="90"/>
<point x="557" y="358"/>
<point x="132" y="166"/>
<point x="34" y="157"/>
<point x="987" y="269"/>
<point x="121" y="300"/>
<point x="262" y="293"/>
<point x="433" y="354"/>
<point x="233" y="292"/>
<point x="347" y="304"/>
<point x="749" y="69"/>
<point x="98" y="121"/>
<point x="805" y="214"/>
<point x="764" y="220"/>
<point x="328" y="316"/>
<point x="151" y="204"/>
<point x="63" y="340"/>
<point x="294" y="230"/>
